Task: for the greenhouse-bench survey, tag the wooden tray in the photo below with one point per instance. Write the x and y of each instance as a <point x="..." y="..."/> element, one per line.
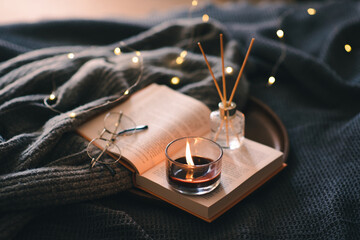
<point x="264" y="126"/>
<point x="261" y="125"/>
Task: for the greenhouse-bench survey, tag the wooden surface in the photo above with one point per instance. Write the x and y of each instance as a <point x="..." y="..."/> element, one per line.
<point x="14" y="11"/>
<point x="36" y="10"/>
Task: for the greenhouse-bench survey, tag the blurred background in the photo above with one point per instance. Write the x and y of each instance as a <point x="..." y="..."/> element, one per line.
<point x="15" y="11"/>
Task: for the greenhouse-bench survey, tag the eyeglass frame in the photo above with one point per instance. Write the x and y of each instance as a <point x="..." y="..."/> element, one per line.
<point x="110" y="141"/>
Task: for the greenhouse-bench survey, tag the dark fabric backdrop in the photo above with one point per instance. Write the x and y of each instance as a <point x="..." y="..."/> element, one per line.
<point x="47" y="191"/>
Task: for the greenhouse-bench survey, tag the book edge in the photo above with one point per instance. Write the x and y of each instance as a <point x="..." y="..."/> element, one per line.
<point x="229" y="206"/>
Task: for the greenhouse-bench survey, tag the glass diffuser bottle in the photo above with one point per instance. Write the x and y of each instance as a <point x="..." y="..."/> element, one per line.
<point x="227" y="123"/>
<point x="227" y="126"/>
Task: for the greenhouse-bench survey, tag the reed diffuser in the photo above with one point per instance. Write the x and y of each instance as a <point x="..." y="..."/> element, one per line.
<point x="227" y="123"/>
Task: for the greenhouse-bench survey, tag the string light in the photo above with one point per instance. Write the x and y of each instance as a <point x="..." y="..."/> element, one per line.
<point x="271" y="80"/>
<point x="280" y="33"/>
<point x="71" y="55"/>
<point x="347" y="48"/>
<point x="135" y="59"/>
<point x="117" y="51"/>
<point x="52" y="97"/>
<point x="179" y="60"/>
<point x="183" y="54"/>
<point x="205" y="18"/>
<point x="229" y="70"/>
<point x="311" y="11"/>
<point x="175" y="80"/>
<point x="72" y="115"/>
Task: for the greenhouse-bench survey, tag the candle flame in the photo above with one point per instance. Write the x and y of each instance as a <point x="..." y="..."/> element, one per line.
<point x="189" y="159"/>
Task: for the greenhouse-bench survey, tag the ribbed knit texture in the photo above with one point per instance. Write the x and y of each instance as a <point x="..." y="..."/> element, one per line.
<point x="47" y="190"/>
<point x="43" y="161"/>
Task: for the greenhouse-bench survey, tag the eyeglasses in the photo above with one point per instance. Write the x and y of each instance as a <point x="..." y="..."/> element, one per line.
<point x="117" y="127"/>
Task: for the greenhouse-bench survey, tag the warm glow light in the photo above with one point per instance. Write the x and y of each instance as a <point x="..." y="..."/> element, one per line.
<point x="280" y="33"/>
<point x="179" y="60"/>
<point x="183" y="54"/>
<point x="126" y="92"/>
<point x="194" y="3"/>
<point x="189" y="159"/>
<point x="205" y="18"/>
<point x="138" y="53"/>
<point x="135" y="60"/>
<point x="71" y="56"/>
<point x="347" y="48"/>
<point x="52" y="96"/>
<point x="175" y="80"/>
<point x="72" y="115"/>
<point x="229" y="70"/>
<point x="117" y="51"/>
<point x="271" y="80"/>
<point x="311" y="11"/>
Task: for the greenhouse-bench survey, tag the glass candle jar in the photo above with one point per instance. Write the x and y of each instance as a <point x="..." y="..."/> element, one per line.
<point x="193" y="165"/>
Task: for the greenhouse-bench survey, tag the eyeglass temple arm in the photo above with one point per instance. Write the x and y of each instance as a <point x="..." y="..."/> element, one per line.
<point x="137" y="128"/>
<point x="94" y="160"/>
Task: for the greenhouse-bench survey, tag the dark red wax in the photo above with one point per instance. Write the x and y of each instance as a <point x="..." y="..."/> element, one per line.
<point x="200" y="177"/>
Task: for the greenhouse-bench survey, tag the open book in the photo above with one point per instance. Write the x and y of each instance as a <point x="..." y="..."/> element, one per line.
<point x="170" y="115"/>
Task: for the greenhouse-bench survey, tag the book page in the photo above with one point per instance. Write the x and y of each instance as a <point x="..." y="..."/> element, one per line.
<point x="168" y="114"/>
<point x="237" y="177"/>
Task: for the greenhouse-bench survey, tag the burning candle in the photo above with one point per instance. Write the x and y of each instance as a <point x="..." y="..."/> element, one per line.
<point x="193" y="165"/>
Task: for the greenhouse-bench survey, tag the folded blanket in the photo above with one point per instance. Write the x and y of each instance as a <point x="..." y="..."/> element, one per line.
<point x="43" y="161"/>
<point x="47" y="190"/>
